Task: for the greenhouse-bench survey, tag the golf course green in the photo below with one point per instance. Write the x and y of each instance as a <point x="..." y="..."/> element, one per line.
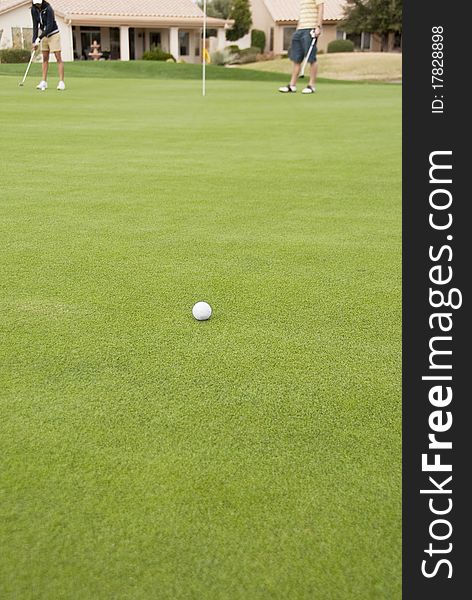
<point x="148" y="456"/>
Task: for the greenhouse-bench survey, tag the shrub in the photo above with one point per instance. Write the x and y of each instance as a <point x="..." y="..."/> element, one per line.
<point x="233" y="48"/>
<point x="258" y="39"/>
<point x="218" y="58"/>
<point x="248" y="55"/>
<point x="251" y="50"/>
<point x="247" y="58"/>
<point x="157" y="53"/>
<point x="11" y="55"/>
<point x="224" y="57"/>
<point x="341" y="46"/>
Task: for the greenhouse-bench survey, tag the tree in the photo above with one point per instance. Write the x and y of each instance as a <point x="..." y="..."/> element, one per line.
<point x="241" y="14"/>
<point x="219" y="9"/>
<point x="375" y="16"/>
<point x="237" y="10"/>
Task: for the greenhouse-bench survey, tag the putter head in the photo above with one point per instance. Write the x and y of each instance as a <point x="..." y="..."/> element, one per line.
<point x="21" y="84"/>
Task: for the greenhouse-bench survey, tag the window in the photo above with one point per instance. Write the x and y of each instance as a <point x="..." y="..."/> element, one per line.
<point x="88" y="35"/>
<point x="355" y="39"/>
<point x="365" y="44"/>
<point x="131" y="41"/>
<point x="271" y="40"/>
<point x="114" y="43"/>
<point x="288" y="32"/>
<point x="22" y="37"/>
<point x="155" y="38"/>
<point x="28" y="36"/>
<point x="340" y="35"/>
<point x="184" y="43"/>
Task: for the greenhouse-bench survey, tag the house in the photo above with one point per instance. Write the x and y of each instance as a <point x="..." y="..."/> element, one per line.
<point x="123" y="28"/>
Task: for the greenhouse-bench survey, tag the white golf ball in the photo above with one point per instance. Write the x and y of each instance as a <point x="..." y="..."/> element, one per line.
<point x="201" y="311"/>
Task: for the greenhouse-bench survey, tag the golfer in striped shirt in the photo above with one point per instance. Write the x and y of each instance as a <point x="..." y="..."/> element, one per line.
<point x="308" y="28"/>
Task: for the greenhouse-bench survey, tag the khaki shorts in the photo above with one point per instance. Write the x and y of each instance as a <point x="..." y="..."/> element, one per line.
<point x="51" y="44"/>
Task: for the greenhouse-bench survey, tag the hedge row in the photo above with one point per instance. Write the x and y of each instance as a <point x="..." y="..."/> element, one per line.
<point x="156" y="53"/>
<point x="11" y="55"/>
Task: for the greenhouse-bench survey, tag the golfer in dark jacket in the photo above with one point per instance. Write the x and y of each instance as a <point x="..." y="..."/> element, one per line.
<point x="46" y="34"/>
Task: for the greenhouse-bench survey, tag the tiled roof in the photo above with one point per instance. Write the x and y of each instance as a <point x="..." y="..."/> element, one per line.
<point x="124" y="8"/>
<point x="132" y="8"/>
<point x="6" y="4"/>
<point x="289" y="10"/>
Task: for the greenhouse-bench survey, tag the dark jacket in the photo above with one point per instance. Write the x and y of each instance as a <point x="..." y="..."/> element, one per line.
<point x="44" y="20"/>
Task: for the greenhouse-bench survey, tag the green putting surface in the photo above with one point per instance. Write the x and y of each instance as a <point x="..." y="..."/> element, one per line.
<point x="148" y="456"/>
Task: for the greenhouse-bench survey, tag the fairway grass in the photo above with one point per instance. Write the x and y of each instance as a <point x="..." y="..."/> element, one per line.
<point x="254" y="456"/>
<point x="139" y="69"/>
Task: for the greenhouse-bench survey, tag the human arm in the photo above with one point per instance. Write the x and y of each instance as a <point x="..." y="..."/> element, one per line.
<point x="320" y="19"/>
<point x="34" y="16"/>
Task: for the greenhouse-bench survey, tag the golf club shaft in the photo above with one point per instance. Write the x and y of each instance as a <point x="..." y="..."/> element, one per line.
<point x="307" y="56"/>
<point x="28" y="67"/>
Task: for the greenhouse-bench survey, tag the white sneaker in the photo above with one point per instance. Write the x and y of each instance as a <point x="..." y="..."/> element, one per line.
<point x="287" y="89"/>
<point x="61" y="85"/>
<point x="310" y="89"/>
<point x="42" y="85"/>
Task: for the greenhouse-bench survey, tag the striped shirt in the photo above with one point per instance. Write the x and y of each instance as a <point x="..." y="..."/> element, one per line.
<point x="308" y="14"/>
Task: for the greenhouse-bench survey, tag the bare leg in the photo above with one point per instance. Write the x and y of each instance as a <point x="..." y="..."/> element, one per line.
<point x="313" y="72"/>
<point x="295" y="73"/>
<point x="60" y="65"/>
<point x="45" y="66"/>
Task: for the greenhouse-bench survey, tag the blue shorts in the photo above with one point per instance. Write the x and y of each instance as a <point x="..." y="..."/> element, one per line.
<point x="301" y="42"/>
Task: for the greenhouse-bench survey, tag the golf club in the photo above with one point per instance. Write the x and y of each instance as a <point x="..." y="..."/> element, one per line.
<point x="27" y="68"/>
<point x="302" y="73"/>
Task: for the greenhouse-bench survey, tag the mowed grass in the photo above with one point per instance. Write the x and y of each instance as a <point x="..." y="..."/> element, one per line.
<point x="149" y="456"/>
<point x="141" y="69"/>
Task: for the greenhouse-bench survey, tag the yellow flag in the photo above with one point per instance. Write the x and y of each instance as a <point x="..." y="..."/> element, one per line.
<point x="206" y="56"/>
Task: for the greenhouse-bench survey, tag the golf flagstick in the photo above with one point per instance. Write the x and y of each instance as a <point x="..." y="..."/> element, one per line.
<point x="302" y="74"/>
<point x="27" y="68"/>
<point x="204" y="48"/>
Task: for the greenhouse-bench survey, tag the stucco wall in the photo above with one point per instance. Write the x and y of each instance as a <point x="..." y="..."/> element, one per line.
<point x="328" y="35"/>
<point x="261" y="19"/>
<point x="20" y="17"/>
